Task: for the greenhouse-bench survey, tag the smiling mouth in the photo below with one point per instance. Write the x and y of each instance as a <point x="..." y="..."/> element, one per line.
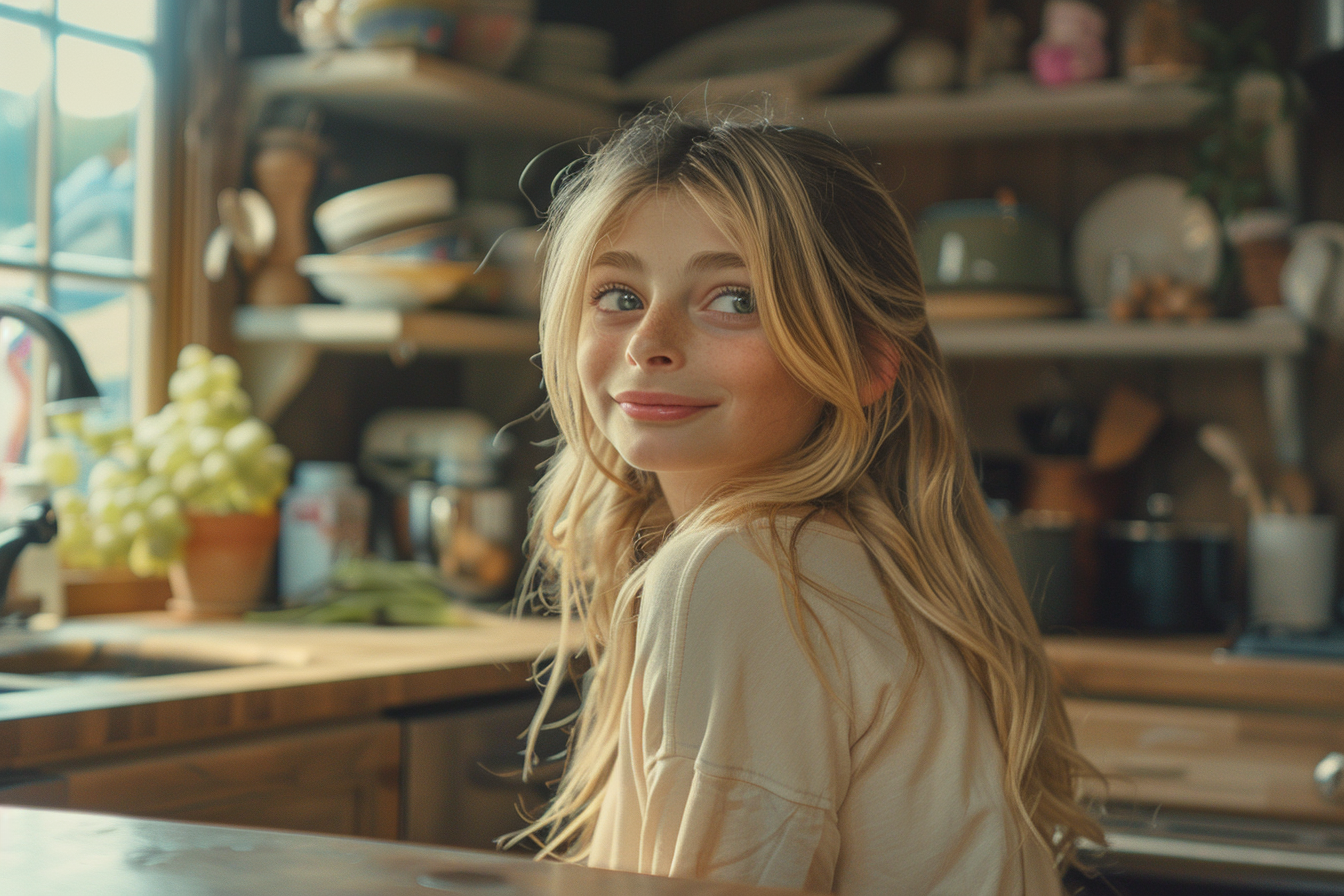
<point x="659" y="406"/>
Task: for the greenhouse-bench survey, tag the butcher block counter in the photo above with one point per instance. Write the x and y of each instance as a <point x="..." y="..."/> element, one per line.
<point x="302" y="735"/>
<point x="45" y="852"/>
<point x="274" y="677"/>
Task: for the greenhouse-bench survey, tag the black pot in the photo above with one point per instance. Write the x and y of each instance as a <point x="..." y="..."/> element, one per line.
<point x="1168" y="578"/>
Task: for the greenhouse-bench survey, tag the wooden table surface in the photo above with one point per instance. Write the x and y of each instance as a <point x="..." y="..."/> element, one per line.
<point x="54" y="853"/>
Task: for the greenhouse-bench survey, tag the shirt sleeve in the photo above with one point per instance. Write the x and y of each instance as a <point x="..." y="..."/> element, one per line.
<point x="747" y="751"/>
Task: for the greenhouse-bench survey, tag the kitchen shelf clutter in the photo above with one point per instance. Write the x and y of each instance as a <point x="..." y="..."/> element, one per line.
<point x="410" y="89"/>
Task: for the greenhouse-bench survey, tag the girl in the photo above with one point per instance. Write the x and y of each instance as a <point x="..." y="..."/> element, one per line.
<point x="813" y="665"/>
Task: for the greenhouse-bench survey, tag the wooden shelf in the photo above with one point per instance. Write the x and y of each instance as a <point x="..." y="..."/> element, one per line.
<point x="379" y="329"/>
<point x="1024" y="109"/>
<point x="1256" y="338"/>
<point x="421" y="92"/>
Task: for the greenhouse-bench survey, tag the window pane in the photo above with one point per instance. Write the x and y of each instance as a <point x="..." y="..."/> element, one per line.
<point x="17" y="376"/>
<point x="99" y="318"/>
<point x="99" y="92"/>
<point x="22" y="64"/>
<point x="128" y="18"/>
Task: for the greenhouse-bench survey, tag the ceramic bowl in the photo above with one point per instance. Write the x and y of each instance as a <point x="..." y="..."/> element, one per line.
<point x="423" y="24"/>
<point x="373" y="211"/>
<point x="379" y="281"/>
<point x="436" y="241"/>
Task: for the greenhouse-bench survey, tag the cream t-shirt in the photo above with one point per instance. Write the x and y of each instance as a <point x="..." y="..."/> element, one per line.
<point x="734" y="763"/>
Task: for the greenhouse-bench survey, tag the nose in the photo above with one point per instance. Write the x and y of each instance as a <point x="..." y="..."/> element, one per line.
<point x="658" y="341"/>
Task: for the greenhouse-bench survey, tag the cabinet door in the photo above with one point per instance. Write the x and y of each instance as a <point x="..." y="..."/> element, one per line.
<point x="337" y="779"/>
<point x="1203" y="758"/>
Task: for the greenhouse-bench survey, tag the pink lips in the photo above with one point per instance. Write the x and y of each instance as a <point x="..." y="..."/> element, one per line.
<point x="659" y="406"/>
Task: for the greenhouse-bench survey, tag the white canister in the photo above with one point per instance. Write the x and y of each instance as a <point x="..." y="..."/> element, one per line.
<point x="324" y="518"/>
<point x="1291" y="559"/>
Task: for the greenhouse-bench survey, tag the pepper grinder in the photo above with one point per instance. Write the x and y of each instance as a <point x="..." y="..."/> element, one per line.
<point x="285" y="170"/>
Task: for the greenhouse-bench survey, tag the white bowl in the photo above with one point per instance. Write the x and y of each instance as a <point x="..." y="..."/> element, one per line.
<point x="379" y="209"/>
<point x="382" y="281"/>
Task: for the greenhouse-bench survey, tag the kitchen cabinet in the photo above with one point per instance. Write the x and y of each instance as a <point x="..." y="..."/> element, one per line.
<point x="1238" y="760"/>
<point x="1187" y="725"/>
<point x="330" y="779"/>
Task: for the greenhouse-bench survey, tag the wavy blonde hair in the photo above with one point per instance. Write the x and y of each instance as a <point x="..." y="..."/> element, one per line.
<point x="835" y="274"/>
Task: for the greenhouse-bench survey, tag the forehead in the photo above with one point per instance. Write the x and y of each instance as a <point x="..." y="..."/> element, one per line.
<point x="663" y="224"/>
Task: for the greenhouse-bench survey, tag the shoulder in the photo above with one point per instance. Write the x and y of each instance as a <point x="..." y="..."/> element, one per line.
<point x="726" y="596"/>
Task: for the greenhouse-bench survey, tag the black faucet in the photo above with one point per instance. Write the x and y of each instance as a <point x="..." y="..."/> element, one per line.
<point x="74" y="388"/>
<point x="36" y="525"/>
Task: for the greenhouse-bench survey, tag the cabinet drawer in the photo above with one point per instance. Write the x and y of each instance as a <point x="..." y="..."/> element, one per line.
<point x="334" y="779"/>
<point x="1244" y="761"/>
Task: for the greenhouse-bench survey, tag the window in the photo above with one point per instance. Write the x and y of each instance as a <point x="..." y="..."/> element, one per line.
<point x="80" y="150"/>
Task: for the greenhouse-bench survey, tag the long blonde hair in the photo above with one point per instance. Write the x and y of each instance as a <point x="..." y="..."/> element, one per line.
<point x="835" y="275"/>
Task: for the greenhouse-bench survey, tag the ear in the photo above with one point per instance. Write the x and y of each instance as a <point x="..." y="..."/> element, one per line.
<point x="884" y="364"/>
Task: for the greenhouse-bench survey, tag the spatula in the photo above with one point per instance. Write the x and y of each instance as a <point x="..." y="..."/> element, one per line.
<point x="1127" y="421"/>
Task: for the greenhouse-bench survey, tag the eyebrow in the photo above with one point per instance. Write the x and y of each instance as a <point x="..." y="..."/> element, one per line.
<point x="703" y="262"/>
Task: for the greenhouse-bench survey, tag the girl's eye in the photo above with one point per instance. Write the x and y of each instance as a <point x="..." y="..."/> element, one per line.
<point x="734" y="301"/>
<point x="617" y="298"/>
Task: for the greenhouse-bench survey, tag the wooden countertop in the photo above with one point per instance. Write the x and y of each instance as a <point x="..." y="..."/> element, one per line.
<point x="1193" y="670"/>
<point x="302" y="675"/>
<point x="311" y="674"/>
<point x="46" y="851"/>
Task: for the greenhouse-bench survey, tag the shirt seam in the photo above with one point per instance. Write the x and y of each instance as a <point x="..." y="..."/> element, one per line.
<point x="742" y="776"/>
<point x="684" y="587"/>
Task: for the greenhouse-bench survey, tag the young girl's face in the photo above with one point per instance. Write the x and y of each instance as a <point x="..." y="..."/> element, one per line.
<point x="675" y="367"/>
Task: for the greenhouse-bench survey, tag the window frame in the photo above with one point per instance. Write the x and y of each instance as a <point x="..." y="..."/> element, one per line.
<point x="147" y="276"/>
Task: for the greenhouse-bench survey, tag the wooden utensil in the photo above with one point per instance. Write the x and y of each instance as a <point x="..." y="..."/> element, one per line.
<point x="1124" y="427"/>
<point x="1295" y="490"/>
<point x="1223" y="446"/>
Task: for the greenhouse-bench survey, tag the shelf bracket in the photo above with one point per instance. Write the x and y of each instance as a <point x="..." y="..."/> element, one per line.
<point x="1283" y="407"/>
<point x="273" y="373"/>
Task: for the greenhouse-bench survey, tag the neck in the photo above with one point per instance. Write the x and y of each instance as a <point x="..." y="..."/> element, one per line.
<point x="683" y="492"/>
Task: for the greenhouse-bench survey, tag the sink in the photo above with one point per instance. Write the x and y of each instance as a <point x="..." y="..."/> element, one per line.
<point x="46" y="664"/>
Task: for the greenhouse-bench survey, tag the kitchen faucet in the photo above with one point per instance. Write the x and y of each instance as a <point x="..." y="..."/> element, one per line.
<point x="74" y="389"/>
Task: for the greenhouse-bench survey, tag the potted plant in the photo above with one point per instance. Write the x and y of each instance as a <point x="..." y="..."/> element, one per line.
<point x="188" y="493"/>
<point x="1229" y="158"/>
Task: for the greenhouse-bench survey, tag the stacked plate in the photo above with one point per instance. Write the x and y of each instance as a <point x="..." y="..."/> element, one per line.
<point x="394" y="244"/>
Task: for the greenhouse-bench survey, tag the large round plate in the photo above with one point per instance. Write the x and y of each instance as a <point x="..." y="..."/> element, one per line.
<point x="1146" y="224"/>
<point x="791" y="53"/>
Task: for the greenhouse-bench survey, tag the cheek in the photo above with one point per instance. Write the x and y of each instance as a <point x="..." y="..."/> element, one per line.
<point x="594" y="361"/>
<point x="783" y="404"/>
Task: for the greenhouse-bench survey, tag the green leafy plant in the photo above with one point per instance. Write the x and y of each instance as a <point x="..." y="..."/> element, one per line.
<point x="1229" y="155"/>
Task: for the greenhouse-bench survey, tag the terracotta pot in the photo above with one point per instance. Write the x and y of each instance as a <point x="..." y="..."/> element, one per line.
<point x="225" y="567"/>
